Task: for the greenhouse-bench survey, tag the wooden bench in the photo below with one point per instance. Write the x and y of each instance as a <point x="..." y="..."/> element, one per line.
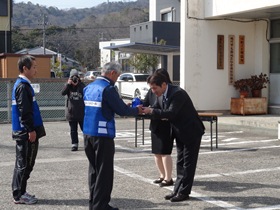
<point x="211" y="117"/>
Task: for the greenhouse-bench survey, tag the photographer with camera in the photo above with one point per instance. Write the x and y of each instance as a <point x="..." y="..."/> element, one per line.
<point x="75" y="106"/>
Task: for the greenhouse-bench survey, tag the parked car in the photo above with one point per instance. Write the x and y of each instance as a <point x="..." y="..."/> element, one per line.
<point x="91" y="75"/>
<point x="132" y="85"/>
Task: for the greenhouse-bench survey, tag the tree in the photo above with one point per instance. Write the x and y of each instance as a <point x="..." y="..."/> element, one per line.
<point x="145" y="62"/>
<point x="75" y="33"/>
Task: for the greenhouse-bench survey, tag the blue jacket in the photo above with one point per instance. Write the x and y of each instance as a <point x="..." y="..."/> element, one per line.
<point x="26" y="116"/>
<point x="102" y="101"/>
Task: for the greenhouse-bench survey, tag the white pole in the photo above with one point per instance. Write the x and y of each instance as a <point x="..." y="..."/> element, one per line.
<point x="278" y="130"/>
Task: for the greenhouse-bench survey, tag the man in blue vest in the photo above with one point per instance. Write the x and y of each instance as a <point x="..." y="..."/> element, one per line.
<point x="102" y="101"/>
<point x="27" y="126"/>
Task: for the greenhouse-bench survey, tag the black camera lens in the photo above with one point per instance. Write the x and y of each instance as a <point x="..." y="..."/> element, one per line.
<point x="75" y="79"/>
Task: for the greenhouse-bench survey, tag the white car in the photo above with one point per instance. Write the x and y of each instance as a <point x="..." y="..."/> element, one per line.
<point x="132" y="85"/>
<point x="91" y="75"/>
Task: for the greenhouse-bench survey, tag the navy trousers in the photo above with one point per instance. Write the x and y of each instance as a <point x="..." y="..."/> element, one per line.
<point x="100" y="153"/>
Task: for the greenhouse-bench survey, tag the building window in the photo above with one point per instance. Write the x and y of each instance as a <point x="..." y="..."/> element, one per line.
<point x="275" y="46"/>
<point x="275" y="58"/>
<point x="4" y="8"/>
<point x="275" y="29"/>
<point x="166" y="17"/>
<point x="168" y="14"/>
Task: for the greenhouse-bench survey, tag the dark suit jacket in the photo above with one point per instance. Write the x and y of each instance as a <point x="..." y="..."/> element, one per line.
<point x="151" y="100"/>
<point x="182" y="115"/>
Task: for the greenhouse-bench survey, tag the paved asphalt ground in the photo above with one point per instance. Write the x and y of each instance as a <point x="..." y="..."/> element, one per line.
<point x="243" y="173"/>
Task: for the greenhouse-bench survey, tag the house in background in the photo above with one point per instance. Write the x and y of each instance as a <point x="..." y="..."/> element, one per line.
<point x="55" y="56"/>
<point x="145" y="37"/>
<point x="9" y="68"/>
<point x="107" y="55"/>
<point x="5" y="26"/>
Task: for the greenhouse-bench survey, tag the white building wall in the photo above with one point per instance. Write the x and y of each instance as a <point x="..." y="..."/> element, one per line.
<point x="155" y="6"/>
<point x="207" y="86"/>
<point x="105" y="55"/>
<point x="214" y="8"/>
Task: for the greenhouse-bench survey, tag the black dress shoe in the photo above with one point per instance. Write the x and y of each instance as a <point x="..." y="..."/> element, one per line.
<point x="179" y="197"/>
<point x="159" y="180"/>
<point x="169" y="196"/>
<point x="166" y="183"/>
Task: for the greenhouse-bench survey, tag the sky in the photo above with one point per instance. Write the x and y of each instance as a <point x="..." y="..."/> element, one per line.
<point x="67" y="4"/>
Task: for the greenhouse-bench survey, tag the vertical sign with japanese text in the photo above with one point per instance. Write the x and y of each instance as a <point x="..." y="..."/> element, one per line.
<point x="220" y="52"/>
<point x="241" y="49"/>
<point x="231" y="58"/>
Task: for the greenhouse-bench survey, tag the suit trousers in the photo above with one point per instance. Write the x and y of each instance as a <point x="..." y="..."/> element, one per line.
<point x="187" y="155"/>
<point x="100" y="153"/>
<point x="26" y="153"/>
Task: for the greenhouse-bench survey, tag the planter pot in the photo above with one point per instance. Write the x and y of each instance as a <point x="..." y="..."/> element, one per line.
<point x="244" y="94"/>
<point x="256" y="93"/>
<point x="246" y="106"/>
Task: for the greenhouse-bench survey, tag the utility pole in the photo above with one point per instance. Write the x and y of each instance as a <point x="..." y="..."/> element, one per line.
<point x="44" y="33"/>
<point x="44" y="23"/>
<point x="6" y="38"/>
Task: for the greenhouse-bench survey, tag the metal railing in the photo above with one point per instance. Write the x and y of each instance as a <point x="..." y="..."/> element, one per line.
<point x="49" y="98"/>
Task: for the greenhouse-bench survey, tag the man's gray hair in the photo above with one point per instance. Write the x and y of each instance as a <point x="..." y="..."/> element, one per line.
<point x="111" y="66"/>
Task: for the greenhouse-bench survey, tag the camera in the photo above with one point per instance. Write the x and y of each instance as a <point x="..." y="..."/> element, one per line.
<point x="75" y="79"/>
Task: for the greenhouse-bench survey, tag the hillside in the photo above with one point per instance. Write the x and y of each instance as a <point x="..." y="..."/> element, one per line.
<point x="75" y="32"/>
<point x="30" y="15"/>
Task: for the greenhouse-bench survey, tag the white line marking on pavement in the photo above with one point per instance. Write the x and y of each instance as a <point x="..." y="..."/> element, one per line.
<point x="253" y="141"/>
<point x="237" y="173"/>
<point x="229" y="139"/>
<point x="230" y="132"/>
<point x="244" y="142"/>
<point x="238" y="150"/>
<point x="193" y="194"/>
<point x="130" y="149"/>
<point x="266" y="208"/>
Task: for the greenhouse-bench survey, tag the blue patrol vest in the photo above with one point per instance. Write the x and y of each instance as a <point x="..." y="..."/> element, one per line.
<point x="37" y="119"/>
<point x="95" y="124"/>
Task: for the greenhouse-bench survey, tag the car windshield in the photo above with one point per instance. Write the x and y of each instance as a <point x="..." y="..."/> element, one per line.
<point x="141" y="78"/>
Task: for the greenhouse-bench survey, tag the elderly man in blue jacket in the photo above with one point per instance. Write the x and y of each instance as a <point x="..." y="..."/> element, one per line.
<point x="102" y="101"/>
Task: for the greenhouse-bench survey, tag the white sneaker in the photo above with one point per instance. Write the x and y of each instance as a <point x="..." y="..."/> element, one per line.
<point x="29" y="195"/>
<point x="26" y="199"/>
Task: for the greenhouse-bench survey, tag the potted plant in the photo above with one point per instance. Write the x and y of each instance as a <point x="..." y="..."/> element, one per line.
<point x="257" y="83"/>
<point x="242" y="85"/>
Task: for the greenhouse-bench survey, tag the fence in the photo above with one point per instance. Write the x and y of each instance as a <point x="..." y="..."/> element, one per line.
<point x="49" y="99"/>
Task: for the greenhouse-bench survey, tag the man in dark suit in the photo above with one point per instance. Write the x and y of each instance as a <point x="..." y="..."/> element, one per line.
<point x="187" y="128"/>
